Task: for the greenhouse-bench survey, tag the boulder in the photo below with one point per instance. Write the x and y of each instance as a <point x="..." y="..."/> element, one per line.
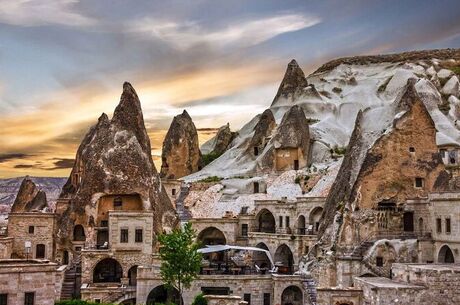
<point x="29" y="198"/>
<point x="181" y="154"/>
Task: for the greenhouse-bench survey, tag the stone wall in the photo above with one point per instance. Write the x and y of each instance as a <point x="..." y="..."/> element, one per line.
<point x="339" y="296"/>
<point x="43" y="233"/>
<point x="131" y="220"/>
<point x="41" y="277"/>
<point x="6" y="247"/>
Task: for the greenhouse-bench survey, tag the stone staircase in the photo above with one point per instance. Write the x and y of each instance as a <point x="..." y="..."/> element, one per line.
<point x="182" y="211"/>
<point x="70" y="289"/>
<point x="309" y="285"/>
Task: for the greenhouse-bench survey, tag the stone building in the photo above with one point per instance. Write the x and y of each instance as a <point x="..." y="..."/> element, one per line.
<point x="30" y="282"/>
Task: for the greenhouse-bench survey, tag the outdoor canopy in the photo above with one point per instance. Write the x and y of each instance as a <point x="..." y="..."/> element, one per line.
<point x="220" y="248"/>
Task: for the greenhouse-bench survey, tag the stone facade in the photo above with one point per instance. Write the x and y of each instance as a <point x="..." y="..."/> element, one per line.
<point x="42" y="278"/>
<point x="36" y="228"/>
<point x="6" y="247"/>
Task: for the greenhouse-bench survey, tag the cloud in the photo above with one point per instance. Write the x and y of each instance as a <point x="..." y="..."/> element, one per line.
<point x="12" y="156"/>
<point x="42" y="12"/>
<point x="24" y="166"/>
<point x="62" y="163"/>
<point x="185" y="35"/>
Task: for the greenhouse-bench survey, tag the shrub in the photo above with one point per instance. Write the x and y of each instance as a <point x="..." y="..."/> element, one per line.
<point x="211" y="179"/>
<point x="337" y="90"/>
<point x="208" y="158"/>
<point x="200" y="300"/>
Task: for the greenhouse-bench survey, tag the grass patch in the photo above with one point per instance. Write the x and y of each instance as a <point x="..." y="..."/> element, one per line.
<point x="211" y="179"/>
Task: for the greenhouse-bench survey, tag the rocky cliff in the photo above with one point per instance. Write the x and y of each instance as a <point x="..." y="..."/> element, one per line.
<point x="220" y="142"/>
<point x="29" y="198"/>
<point x="115" y="158"/>
<point x="181" y="154"/>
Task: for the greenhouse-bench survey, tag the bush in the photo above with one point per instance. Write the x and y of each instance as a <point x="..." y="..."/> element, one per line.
<point x="200" y="300"/>
<point x="79" y="302"/>
<point x="208" y="158"/>
<point x="211" y="179"/>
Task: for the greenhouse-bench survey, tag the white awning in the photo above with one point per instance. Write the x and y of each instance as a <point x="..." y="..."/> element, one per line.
<point x="220" y="248"/>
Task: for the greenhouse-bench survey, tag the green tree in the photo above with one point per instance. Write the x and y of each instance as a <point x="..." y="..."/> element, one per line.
<point x="180" y="259"/>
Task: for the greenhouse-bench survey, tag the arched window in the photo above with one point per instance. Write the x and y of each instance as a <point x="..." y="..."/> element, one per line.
<point x="40" y="251"/>
<point x="132" y="276"/>
<point x="79" y="233"/>
<point x="301" y="225"/>
<point x="266" y="221"/>
<point x="315" y="218"/>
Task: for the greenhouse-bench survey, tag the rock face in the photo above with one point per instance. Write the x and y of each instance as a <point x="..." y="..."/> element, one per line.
<point x="293" y="82"/>
<point x="290" y="146"/>
<point x="181" y="154"/>
<point x="29" y="198"/>
<point x="220" y="143"/>
<point x="114" y="158"/>
<point x="262" y="130"/>
<point x="385" y="172"/>
<point x="293" y="131"/>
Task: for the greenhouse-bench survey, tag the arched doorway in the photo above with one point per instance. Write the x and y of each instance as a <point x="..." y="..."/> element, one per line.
<point x="260" y="258"/>
<point x="79" y="233"/>
<point x="292" y="295"/>
<point x="266" y="221"/>
<point x="445" y="255"/>
<point x="284" y="259"/>
<point x="107" y="270"/>
<point x="40" y="251"/>
<point x="132" y="276"/>
<point x="212" y="236"/>
<point x="315" y="218"/>
<point x="161" y="294"/>
<point x="301" y="225"/>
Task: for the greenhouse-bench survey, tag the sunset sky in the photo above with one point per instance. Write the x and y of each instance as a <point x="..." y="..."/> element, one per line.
<point x="63" y="63"/>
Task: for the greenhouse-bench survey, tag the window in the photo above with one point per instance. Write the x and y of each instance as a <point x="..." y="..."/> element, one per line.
<point x="29" y="298"/>
<point x="244" y="229"/>
<point x="411" y="149"/>
<point x="3" y="299"/>
<point x="438" y="225"/>
<point x="31" y="229"/>
<point x="124" y="235"/>
<point x="244" y="210"/>
<point x="247" y="298"/>
<point x="448" y="225"/>
<point x="256" y="187"/>
<point x="97" y="301"/>
<point x="256" y="151"/>
<point x="281" y="221"/>
<point x="40" y="251"/>
<point x="307" y="249"/>
<point x="419" y="182"/>
<point x="117" y="203"/>
<point x="104" y="223"/>
<point x="296" y="164"/>
<point x="287" y="222"/>
<point x="138" y="236"/>
<point x="266" y="299"/>
<point x="173" y="192"/>
<point x="379" y="261"/>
